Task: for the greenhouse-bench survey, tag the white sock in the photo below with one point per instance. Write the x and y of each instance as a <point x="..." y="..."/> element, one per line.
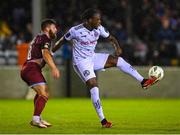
<point x="127" y="68"/>
<point x="96" y="102"/>
<point x="36" y="118"/>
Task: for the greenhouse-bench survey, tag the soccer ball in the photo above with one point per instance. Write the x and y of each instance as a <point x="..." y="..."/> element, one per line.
<point x="157" y="72"/>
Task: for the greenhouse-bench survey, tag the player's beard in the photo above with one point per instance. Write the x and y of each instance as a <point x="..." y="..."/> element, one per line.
<point x="95" y="25"/>
<point x="52" y="35"/>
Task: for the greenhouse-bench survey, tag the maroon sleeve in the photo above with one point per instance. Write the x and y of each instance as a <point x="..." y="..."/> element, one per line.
<point x="45" y="42"/>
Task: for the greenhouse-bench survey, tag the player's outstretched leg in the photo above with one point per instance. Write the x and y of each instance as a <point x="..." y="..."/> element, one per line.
<point x="127" y="68"/>
<point x="148" y="82"/>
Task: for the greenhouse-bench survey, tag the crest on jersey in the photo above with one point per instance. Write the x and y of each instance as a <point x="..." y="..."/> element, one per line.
<point x="86" y="73"/>
<point x="95" y="33"/>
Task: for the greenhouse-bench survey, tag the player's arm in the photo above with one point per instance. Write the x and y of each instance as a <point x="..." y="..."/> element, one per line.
<point x="58" y="44"/>
<point x="115" y="44"/>
<point x="49" y="60"/>
<point x="105" y="34"/>
<point x="67" y="37"/>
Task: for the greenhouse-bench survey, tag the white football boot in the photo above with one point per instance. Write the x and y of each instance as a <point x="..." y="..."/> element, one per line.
<point x="38" y="124"/>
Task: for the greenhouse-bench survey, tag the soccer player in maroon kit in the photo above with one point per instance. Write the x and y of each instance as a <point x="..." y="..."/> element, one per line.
<point x="38" y="55"/>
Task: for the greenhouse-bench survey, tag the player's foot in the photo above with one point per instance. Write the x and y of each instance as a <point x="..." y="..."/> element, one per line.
<point x="106" y="124"/>
<point x="148" y="82"/>
<point x="46" y="123"/>
<point x="38" y="124"/>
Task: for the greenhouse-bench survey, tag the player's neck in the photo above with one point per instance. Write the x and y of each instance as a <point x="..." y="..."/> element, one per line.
<point x="87" y="26"/>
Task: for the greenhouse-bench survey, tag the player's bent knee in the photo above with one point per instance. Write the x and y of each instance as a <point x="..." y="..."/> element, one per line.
<point x="111" y="62"/>
<point x="92" y="83"/>
<point x="42" y="90"/>
<point x="115" y="60"/>
<point x="43" y="93"/>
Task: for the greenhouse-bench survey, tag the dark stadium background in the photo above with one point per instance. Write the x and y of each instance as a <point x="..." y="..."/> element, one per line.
<point x="147" y="29"/>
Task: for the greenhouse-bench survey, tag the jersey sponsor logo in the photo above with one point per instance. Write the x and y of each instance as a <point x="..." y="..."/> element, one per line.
<point x="86" y="73"/>
<point x="84" y="43"/>
<point x="95" y="33"/>
<point x="93" y="42"/>
<point x="88" y="43"/>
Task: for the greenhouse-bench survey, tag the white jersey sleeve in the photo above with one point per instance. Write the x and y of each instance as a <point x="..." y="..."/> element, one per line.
<point x="103" y="32"/>
<point x="69" y="35"/>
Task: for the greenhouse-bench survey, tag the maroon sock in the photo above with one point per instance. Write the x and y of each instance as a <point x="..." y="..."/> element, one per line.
<point x="39" y="105"/>
<point x="35" y="98"/>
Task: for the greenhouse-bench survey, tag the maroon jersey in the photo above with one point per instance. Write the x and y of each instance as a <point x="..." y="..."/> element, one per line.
<point x="41" y="41"/>
<point x="31" y="71"/>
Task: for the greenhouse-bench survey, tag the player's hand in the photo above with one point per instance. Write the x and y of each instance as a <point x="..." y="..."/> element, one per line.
<point x="118" y="52"/>
<point x="55" y="73"/>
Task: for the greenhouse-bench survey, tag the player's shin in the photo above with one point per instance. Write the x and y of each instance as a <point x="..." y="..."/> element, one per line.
<point x="39" y="106"/>
<point x="127" y="68"/>
<point x="96" y="102"/>
<point x="35" y="98"/>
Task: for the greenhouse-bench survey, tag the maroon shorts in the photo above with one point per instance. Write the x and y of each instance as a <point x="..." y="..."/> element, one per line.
<point x="31" y="73"/>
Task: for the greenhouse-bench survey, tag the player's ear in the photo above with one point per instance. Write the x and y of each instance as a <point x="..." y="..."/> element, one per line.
<point x="89" y="20"/>
<point x="48" y="28"/>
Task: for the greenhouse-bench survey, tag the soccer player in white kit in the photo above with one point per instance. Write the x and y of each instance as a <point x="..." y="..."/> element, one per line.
<point x="85" y="61"/>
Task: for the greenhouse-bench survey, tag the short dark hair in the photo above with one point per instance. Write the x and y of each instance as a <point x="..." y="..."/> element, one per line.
<point x="47" y="22"/>
<point x="89" y="13"/>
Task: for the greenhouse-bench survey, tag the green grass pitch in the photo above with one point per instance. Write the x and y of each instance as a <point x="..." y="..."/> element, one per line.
<point x="78" y="116"/>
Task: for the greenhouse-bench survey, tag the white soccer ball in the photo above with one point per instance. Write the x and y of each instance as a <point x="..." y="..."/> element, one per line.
<point x="156" y="71"/>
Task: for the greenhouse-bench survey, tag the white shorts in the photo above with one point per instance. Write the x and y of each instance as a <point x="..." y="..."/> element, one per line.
<point x="85" y="68"/>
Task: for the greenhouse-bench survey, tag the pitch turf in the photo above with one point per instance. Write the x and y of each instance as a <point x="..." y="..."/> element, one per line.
<point x="78" y="116"/>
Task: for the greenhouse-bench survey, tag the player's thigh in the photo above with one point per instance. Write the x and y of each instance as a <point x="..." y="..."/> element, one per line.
<point x="85" y="70"/>
<point x="100" y="60"/>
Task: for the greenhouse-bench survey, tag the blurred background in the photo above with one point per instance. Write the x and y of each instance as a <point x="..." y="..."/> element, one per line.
<point x="148" y="30"/>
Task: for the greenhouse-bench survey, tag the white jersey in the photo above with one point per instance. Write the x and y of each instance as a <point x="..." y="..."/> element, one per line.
<point x="84" y="41"/>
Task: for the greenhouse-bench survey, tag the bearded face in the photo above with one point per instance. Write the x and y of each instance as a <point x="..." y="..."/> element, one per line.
<point x="52" y="34"/>
<point x="52" y="31"/>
